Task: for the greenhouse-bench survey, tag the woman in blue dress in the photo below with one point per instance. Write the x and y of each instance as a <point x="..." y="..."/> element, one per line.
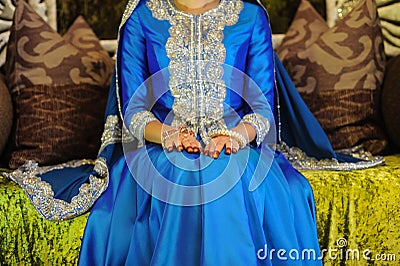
<point x="187" y="173"/>
<point x="200" y="185"/>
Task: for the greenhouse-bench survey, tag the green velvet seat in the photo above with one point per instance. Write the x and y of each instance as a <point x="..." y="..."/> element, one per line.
<point x="361" y="207"/>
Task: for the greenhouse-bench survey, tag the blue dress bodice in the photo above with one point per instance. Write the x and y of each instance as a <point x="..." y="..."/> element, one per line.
<point x="247" y="52"/>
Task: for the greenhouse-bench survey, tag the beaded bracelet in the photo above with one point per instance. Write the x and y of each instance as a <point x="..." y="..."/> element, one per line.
<point x="239" y="138"/>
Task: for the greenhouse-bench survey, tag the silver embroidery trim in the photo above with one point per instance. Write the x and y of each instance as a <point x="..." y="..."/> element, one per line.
<point x="301" y="161"/>
<point x="130" y="6"/>
<point x="138" y="124"/>
<point x="42" y="196"/>
<point x="196" y="54"/>
<point x="260" y="124"/>
<point x="112" y="132"/>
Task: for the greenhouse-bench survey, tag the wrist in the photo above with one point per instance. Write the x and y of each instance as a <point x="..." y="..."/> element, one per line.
<point x="246" y="130"/>
<point x="258" y="124"/>
<point x="238" y="137"/>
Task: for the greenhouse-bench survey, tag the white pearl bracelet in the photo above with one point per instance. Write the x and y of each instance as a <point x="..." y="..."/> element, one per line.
<point x="241" y="140"/>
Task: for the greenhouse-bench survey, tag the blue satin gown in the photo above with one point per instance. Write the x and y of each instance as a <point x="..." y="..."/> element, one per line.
<point x="127" y="226"/>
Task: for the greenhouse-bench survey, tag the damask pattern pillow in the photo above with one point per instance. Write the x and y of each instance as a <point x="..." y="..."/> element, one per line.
<point x="44" y="9"/>
<point x="59" y="88"/>
<point x="339" y="73"/>
<point x="95" y="60"/>
<point x="389" y="14"/>
<point x="306" y="28"/>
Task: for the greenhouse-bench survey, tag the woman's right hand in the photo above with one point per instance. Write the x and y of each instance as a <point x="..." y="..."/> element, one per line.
<point x="181" y="140"/>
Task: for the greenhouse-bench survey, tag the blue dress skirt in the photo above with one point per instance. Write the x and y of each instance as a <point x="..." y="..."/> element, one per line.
<point x="127" y="226"/>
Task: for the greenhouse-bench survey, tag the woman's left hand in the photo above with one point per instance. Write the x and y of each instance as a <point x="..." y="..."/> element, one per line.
<point x="214" y="148"/>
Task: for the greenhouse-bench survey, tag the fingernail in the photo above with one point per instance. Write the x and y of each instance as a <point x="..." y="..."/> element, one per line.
<point x="234" y="150"/>
<point x="228" y="151"/>
<point x="196" y="150"/>
<point x="169" y="149"/>
<point x="190" y="150"/>
<point x="216" y="155"/>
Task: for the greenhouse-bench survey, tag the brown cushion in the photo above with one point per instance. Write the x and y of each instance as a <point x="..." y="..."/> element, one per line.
<point x="57" y="123"/>
<point x="388" y="11"/>
<point x="339" y="73"/>
<point x="306" y="28"/>
<point x="6" y="14"/>
<point x="96" y="61"/>
<point x="6" y="114"/>
<point x="391" y="100"/>
<point x="59" y="88"/>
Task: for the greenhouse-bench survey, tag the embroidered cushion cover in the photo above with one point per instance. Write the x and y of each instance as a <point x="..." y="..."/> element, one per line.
<point x="389" y="14"/>
<point x="59" y="88"/>
<point x="46" y="9"/>
<point x="6" y="114"/>
<point x="339" y="72"/>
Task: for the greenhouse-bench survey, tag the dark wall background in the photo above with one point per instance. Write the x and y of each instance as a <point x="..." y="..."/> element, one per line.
<point x="281" y="12"/>
<point x="104" y="15"/>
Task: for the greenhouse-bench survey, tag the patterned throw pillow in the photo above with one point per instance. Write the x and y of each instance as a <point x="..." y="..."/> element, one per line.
<point x="45" y="9"/>
<point x="96" y="61"/>
<point x="59" y="88"/>
<point x="389" y="14"/>
<point x="306" y="29"/>
<point x="6" y="114"/>
<point x="339" y="72"/>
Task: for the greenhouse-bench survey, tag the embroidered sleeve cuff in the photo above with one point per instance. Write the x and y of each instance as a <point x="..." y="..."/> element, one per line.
<point x="138" y="123"/>
<point x="260" y="124"/>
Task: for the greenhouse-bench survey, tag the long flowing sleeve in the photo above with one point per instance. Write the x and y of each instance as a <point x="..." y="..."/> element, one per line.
<point x="259" y="93"/>
<point x="136" y="99"/>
